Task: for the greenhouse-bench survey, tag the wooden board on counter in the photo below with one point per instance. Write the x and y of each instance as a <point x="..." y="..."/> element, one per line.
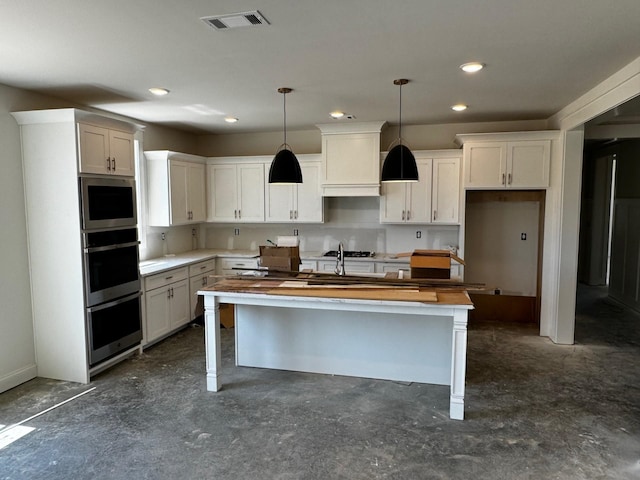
<point x="398" y="295"/>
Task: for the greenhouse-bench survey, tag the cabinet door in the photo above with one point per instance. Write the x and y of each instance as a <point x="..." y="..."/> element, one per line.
<point x="485" y="165"/>
<point x="418" y="208"/>
<point x="528" y="164"/>
<point x="121" y="153"/>
<point x="94" y="149"/>
<point x="196" y="192"/>
<point x="179" y="310"/>
<point x="178" y="191"/>
<point x="222" y="193"/>
<point x="251" y="192"/>
<point x="279" y="205"/>
<point x="393" y="203"/>
<point x="157" y="313"/>
<point x="446" y="190"/>
<point x="309" y="205"/>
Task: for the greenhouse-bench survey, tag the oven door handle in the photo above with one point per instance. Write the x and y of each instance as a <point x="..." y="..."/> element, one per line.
<point x="111" y="247"/>
<point x="102" y="306"/>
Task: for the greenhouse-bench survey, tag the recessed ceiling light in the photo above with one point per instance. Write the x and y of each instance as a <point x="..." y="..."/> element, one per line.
<point x="159" y="91"/>
<point x="459" y="107"/>
<point x="472" y="67"/>
<point x="337" y="114"/>
<point x="230" y="119"/>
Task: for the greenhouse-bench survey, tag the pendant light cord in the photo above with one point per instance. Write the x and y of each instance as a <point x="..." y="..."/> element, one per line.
<point x="284" y="101"/>
<point x="400" y="118"/>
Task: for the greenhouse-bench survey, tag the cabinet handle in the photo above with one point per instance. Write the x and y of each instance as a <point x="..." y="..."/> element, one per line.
<point x="290" y="214"/>
<point x="168" y="293"/>
<point x="239" y="214"/>
<point x="171" y="292"/>
<point x="509" y="179"/>
<point x="235" y="214"/>
<point x="408" y="214"/>
<point x="204" y="281"/>
<point x="503" y="179"/>
<point x="402" y="214"/>
<point x="108" y="164"/>
<point x="434" y="215"/>
<point x="168" y="278"/>
<point x="113" y="167"/>
<point x="296" y="214"/>
<point x="203" y="267"/>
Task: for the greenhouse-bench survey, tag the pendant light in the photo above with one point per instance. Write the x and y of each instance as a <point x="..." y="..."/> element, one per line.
<point x="400" y="164"/>
<point x="285" y="167"/>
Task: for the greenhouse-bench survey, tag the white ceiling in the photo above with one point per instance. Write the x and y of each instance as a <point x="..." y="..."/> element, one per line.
<point x="335" y="54"/>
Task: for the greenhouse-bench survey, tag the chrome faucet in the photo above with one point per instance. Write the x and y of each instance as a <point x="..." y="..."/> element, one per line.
<point x="340" y="260"/>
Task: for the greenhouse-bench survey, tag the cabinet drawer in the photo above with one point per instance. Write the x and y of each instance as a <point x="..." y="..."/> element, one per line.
<point x="228" y="264"/>
<point x="349" y="267"/>
<point x="392" y="267"/>
<point x="202" y="267"/>
<point x="165" y="278"/>
<point x="308" y="265"/>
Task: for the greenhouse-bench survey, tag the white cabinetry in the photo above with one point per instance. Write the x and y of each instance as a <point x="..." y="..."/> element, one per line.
<point x="235" y="266"/>
<point x="166" y="303"/>
<point x="235" y="191"/>
<point x="350" y="268"/>
<point x="105" y="151"/>
<point x="199" y="277"/>
<point x="517" y="160"/>
<point x="296" y="203"/>
<point x="408" y="202"/>
<point x="51" y="138"/>
<point x="175" y="188"/>
<point x="433" y="199"/>
<point x="350" y="159"/>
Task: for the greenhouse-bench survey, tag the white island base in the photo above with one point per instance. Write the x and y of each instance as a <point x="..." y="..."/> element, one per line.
<point x="392" y="340"/>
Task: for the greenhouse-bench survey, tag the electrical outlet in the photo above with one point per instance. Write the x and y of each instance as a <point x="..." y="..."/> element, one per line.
<point x="162" y="235"/>
<point x="236" y="231"/>
<point x="523" y="236"/>
<point x="418" y="234"/>
<point x="295" y="232"/>
<point x="193" y="232"/>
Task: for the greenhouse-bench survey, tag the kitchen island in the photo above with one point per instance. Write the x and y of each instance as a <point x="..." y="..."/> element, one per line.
<point x="391" y="334"/>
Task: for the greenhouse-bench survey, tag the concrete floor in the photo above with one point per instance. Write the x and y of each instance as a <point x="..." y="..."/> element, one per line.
<point x="534" y="411"/>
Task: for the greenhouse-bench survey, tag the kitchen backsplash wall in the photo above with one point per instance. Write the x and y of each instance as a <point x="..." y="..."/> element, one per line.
<point x="354" y="221"/>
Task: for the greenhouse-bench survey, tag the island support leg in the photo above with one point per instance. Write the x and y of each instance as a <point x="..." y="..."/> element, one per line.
<point x="458" y="365"/>
<point x="212" y="342"/>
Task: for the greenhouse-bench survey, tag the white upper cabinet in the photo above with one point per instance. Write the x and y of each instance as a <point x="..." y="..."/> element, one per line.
<point x="350" y="159"/>
<point x="433" y="199"/>
<point x="507" y="160"/>
<point x="408" y="202"/>
<point x="300" y="203"/>
<point x="105" y="151"/>
<point x="235" y="192"/>
<point x="445" y="196"/>
<point x="175" y="188"/>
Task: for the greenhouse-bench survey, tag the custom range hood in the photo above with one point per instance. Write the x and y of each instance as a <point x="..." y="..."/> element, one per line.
<point x="351" y="159"/>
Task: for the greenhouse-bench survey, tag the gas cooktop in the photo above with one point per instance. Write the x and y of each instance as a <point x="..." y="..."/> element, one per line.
<point x="349" y="253"/>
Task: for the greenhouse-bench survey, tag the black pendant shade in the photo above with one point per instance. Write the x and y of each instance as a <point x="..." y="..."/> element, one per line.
<point x="400" y="165"/>
<point x="285" y="168"/>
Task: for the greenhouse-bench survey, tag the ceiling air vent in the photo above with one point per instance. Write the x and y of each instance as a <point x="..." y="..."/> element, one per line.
<point x="234" y="20"/>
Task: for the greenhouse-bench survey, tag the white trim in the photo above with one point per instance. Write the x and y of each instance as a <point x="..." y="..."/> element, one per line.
<point x="17" y="377"/>
<point x="615" y="90"/>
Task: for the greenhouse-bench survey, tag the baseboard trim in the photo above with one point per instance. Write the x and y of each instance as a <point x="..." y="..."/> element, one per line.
<point x="15" y="378"/>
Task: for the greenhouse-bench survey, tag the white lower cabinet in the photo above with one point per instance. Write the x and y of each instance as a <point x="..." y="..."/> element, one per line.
<point x="308" y="265"/>
<point x="235" y="266"/>
<point x="388" y="267"/>
<point x="166" y="303"/>
<point x="199" y="274"/>
<point x="350" y="268"/>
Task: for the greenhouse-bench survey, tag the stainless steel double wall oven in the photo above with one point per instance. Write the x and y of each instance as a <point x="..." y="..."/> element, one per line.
<point x="111" y="275"/>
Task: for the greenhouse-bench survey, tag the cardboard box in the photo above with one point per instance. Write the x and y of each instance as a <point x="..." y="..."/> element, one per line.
<point x="280" y="258"/>
<point x="432" y="263"/>
<point x="227" y="315"/>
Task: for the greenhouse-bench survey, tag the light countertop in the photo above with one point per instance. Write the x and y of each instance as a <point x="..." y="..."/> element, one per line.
<point x="161" y="264"/>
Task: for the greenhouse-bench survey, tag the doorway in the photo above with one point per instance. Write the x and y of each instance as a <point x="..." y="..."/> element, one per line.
<point x="503" y="249"/>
